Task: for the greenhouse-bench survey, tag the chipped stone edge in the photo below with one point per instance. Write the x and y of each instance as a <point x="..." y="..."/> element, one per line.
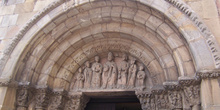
<point x="209" y="37"/>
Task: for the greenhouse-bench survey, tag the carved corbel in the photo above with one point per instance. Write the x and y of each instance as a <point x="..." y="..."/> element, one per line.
<point x="58" y="100"/>
<point x="42" y="98"/>
<point x="76" y="101"/>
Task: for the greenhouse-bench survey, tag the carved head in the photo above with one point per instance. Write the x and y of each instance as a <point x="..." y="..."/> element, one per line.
<point x="141" y="67"/>
<point x="80" y="70"/>
<point x="87" y="64"/>
<point x="110" y="56"/>
<point x="133" y="60"/>
<point x="96" y="58"/>
<point x="124" y="57"/>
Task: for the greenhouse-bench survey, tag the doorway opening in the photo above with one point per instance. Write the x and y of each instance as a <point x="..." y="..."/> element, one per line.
<point x="114" y="103"/>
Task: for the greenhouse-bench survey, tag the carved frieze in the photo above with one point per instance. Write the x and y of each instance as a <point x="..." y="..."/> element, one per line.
<point x="22" y="96"/>
<point x="123" y="74"/>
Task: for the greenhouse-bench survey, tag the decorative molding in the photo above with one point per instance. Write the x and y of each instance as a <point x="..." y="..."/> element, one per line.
<point x="209" y="74"/>
<point x="210" y="39"/>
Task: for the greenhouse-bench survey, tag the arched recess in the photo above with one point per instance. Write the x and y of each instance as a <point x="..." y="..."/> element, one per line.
<point x="154" y="32"/>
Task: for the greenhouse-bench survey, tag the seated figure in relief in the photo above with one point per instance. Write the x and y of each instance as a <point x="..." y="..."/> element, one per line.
<point x="112" y="70"/>
<point x="97" y="73"/>
<point x="123" y="72"/>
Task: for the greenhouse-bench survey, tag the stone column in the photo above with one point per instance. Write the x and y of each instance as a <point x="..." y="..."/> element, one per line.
<point x="76" y="101"/>
<point x="42" y="98"/>
<point x="210" y="89"/>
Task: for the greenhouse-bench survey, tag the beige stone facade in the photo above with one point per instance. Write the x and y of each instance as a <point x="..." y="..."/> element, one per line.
<point x="57" y="54"/>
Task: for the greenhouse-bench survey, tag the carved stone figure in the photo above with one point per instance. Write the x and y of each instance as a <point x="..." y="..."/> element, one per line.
<point x="147" y="104"/>
<point x="88" y="75"/>
<point x="132" y="73"/>
<point x="161" y="101"/>
<point x="113" y="75"/>
<point x="105" y="76"/>
<point x="80" y="79"/>
<point x="175" y="100"/>
<point x="152" y="104"/>
<point x="141" y="77"/>
<point x="22" y="97"/>
<point x="192" y="96"/>
<point x="97" y="73"/>
<point x="42" y="98"/>
<point x="123" y="72"/>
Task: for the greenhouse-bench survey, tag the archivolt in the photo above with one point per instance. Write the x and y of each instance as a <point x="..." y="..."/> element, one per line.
<point x="54" y="43"/>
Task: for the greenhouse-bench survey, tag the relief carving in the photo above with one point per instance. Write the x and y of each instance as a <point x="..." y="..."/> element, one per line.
<point x="192" y="96"/>
<point x="141" y="77"/>
<point x="88" y="75"/>
<point x="42" y="98"/>
<point x="162" y="101"/>
<point x="123" y="72"/>
<point x="22" y="97"/>
<point x="97" y="73"/>
<point x="175" y="99"/>
<point x="80" y="79"/>
<point x="132" y="73"/>
<point x="111" y="74"/>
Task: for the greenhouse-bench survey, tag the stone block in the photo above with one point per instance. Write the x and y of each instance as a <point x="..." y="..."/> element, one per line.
<point x="49" y="27"/>
<point x="61" y="59"/>
<point x="60" y="19"/>
<point x="141" y="16"/>
<point x="6" y="10"/>
<point x="69" y="51"/>
<point x="56" y="11"/>
<point x="164" y="31"/>
<point x="3" y="32"/>
<point x="127" y="28"/>
<point x="43" y="21"/>
<point x="189" y="68"/>
<point x="48" y="66"/>
<point x="113" y="26"/>
<point x="22" y="20"/>
<point x="84" y="8"/>
<point x="153" y="22"/>
<point x="174" y="41"/>
<point x="72" y="22"/>
<point x="168" y="60"/>
<point x="58" y="31"/>
<point x="11" y="31"/>
<point x="98" y="4"/>
<point x="154" y="68"/>
<point x="39" y="5"/>
<point x="24" y="8"/>
<point x="55" y="54"/>
<point x="72" y="12"/>
<point x="184" y="53"/>
<point x="118" y="3"/>
<point x="9" y="20"/>
<point x="172" y="74"/>
<point x="161" y="49"/>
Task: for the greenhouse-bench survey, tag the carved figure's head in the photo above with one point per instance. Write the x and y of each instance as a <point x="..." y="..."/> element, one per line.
<point x="87" y="64"/>
<point x="110" y="56"/>
<point x="124" y="57"/>
<point x="96" y="58"/>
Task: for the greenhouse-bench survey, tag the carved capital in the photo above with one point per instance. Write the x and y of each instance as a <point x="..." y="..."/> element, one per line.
<point x="77" y="101"/>
<point x="171" y="86"/>
<point x="192" y="95"/>
<point x="147" y="100"/>
<point x="58" y="100"/>
<point x="22" y="96"/>
<point x="187" y="81"/>
<point x="175" y="99"/>
<point x="42" y="98"/>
